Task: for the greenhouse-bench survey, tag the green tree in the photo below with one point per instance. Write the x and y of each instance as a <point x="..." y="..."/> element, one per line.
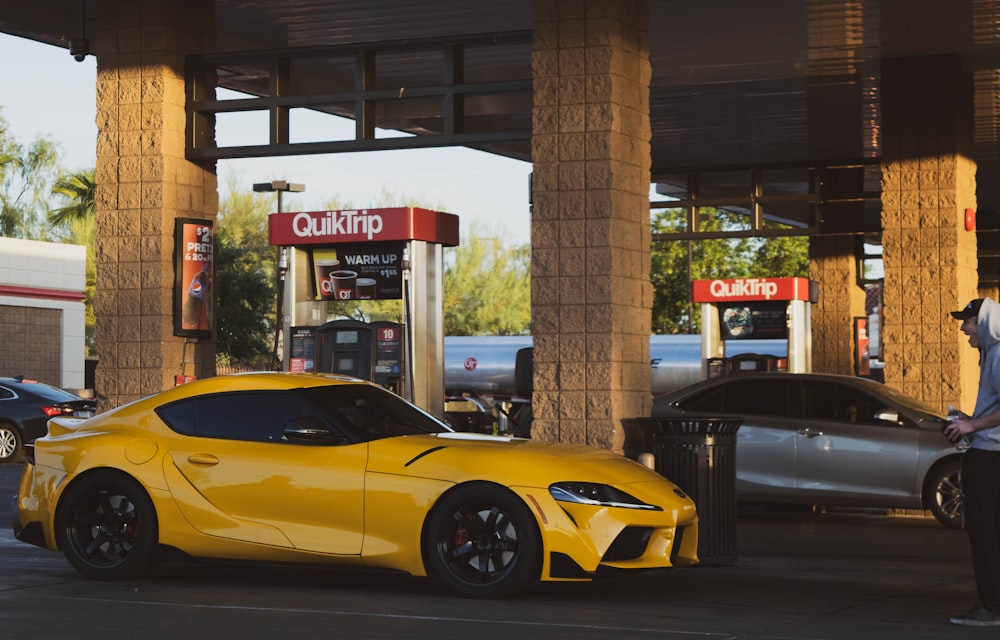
<point x="674" y="264"/>
<point x="487" y="289"/>
<point x="245" y="268"/>
<point x="25" y="175"/>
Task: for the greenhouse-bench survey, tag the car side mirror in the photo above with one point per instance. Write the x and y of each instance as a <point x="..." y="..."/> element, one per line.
<point x="311" y="429"/>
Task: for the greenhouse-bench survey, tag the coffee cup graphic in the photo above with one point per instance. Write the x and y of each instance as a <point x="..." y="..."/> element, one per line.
<point x="324" y="269"/>
<point x="366" y="288"/>
<point x="344" y="285"/>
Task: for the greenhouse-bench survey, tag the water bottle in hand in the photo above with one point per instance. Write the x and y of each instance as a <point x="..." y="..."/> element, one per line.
<point x="954" y="414"/>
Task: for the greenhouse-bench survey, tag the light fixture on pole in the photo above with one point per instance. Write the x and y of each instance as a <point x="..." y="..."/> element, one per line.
<point x="280" y="186"/>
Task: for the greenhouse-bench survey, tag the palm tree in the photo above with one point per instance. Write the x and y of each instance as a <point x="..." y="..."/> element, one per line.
<point x="75" y="223"/>
<point x="78" y="191"/>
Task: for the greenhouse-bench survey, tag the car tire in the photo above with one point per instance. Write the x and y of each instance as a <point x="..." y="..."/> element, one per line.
<point x="944" y="492"/>
<point x="482" y="541"/>
<point x="106" y="526"/>
<point x="10" y="442"/>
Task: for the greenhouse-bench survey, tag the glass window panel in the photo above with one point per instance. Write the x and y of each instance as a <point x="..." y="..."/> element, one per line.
<point x="756" y="397"/>
<point x="253" y="416"/>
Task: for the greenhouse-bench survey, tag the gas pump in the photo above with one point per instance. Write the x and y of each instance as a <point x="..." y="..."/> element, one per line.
<point x="758" y="309"/>
<point x="362" y="350"/>
<point x="393" y="253"/>
<point x="346" y="347"/>
<point x="388" y="369"/>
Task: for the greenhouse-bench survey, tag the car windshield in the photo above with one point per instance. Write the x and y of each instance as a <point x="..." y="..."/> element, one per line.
<point x="903" y="400"/>
<point x="371" y="412"/>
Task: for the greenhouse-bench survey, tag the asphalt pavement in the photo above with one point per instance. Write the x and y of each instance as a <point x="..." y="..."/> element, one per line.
<point x="798" y="575"/>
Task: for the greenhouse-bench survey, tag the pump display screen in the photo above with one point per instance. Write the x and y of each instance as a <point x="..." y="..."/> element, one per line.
<point x="347" y="337"/>
<point x="345" y="365"/>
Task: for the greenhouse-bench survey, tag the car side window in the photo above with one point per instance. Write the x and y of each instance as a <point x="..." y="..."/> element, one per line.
<point x="257" y="416"/>
<point x="756" y="396"/>
<point x="6" y="394"/>
<point x="708" y="401"/>
<point x="837" y="402"/>
<point x="744" y="396"/>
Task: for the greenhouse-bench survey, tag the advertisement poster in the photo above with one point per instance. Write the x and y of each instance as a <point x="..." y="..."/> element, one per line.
<point x="362" y="271"/>
<point x="756" y="320"/>
<point x="194" y="250"/>
<point x="862" y="359"/>
<point x="303" y="354"/>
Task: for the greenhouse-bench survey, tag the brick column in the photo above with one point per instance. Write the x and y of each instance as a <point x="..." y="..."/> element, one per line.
<point x="591" y="293"/>
<point x="833" y="266"/>
<point x="837" y="34"/>
<point x="143" y="184"/>
<point x="928" y="180"/>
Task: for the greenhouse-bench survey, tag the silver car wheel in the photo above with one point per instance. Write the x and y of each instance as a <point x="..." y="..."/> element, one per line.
<point x="10" y="442"/>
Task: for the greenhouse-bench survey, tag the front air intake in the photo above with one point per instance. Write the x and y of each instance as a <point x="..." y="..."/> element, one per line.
<point x="631" y="543"/>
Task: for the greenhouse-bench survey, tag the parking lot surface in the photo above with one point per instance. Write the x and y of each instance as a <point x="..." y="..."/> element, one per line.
<point x="799" y="575"/>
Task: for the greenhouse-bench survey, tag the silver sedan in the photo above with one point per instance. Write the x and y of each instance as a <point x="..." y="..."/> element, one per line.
<point x="830" y="440"/>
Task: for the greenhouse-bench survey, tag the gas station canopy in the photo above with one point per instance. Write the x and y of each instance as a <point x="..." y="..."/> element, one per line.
<point x="735" y="84"/>
<point x="731" y="79"/>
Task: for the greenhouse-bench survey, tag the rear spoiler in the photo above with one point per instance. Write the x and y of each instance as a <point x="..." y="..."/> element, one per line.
<point x="64" y="424"/>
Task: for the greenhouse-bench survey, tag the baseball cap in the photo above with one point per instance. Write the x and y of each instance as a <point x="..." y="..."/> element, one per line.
<point x="971" y="310"/>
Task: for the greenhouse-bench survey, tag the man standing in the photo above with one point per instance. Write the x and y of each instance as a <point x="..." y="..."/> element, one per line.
<point x="981" y="462"/>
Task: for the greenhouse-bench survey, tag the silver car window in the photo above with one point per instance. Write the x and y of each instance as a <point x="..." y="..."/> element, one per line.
<point x="837" y="402"/>
<point x="747" y="395"/>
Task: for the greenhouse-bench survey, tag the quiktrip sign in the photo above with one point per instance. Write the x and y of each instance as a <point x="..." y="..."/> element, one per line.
<point x="362" y="225"/>
<point x="752" y="289"/>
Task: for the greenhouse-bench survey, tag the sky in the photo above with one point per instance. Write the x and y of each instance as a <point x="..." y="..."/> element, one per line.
<point x="46" y="93"/>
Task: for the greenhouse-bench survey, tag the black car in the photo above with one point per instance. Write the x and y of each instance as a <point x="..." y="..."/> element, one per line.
<point x="25" y="409"/>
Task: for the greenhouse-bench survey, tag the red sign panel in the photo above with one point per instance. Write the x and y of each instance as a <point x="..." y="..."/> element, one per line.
<point x="750" y="289"/>
<point x="363" y="225"/>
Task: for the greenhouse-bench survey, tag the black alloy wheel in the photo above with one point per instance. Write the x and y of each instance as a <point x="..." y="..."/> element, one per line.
<point x="482" y="541"/>
<point x="106" y="526"/>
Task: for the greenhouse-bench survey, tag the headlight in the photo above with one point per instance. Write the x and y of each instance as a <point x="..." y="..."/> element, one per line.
<point x="598" y="495"/>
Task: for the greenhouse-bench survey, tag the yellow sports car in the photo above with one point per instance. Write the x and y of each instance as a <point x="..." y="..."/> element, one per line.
<point x="325" y="469"/>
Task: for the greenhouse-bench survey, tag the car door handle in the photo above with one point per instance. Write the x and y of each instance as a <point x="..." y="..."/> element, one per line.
<point x="203" y="458"/>
<point x="809" y="433"/>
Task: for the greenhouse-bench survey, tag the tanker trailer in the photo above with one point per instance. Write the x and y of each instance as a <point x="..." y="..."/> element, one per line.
<point x="487" y="365"/>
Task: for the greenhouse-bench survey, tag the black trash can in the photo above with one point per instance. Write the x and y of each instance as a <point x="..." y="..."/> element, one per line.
<point x="698" y="454"/>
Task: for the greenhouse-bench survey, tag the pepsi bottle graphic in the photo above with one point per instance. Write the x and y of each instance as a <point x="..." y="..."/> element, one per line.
<point x="191" y="313"/>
